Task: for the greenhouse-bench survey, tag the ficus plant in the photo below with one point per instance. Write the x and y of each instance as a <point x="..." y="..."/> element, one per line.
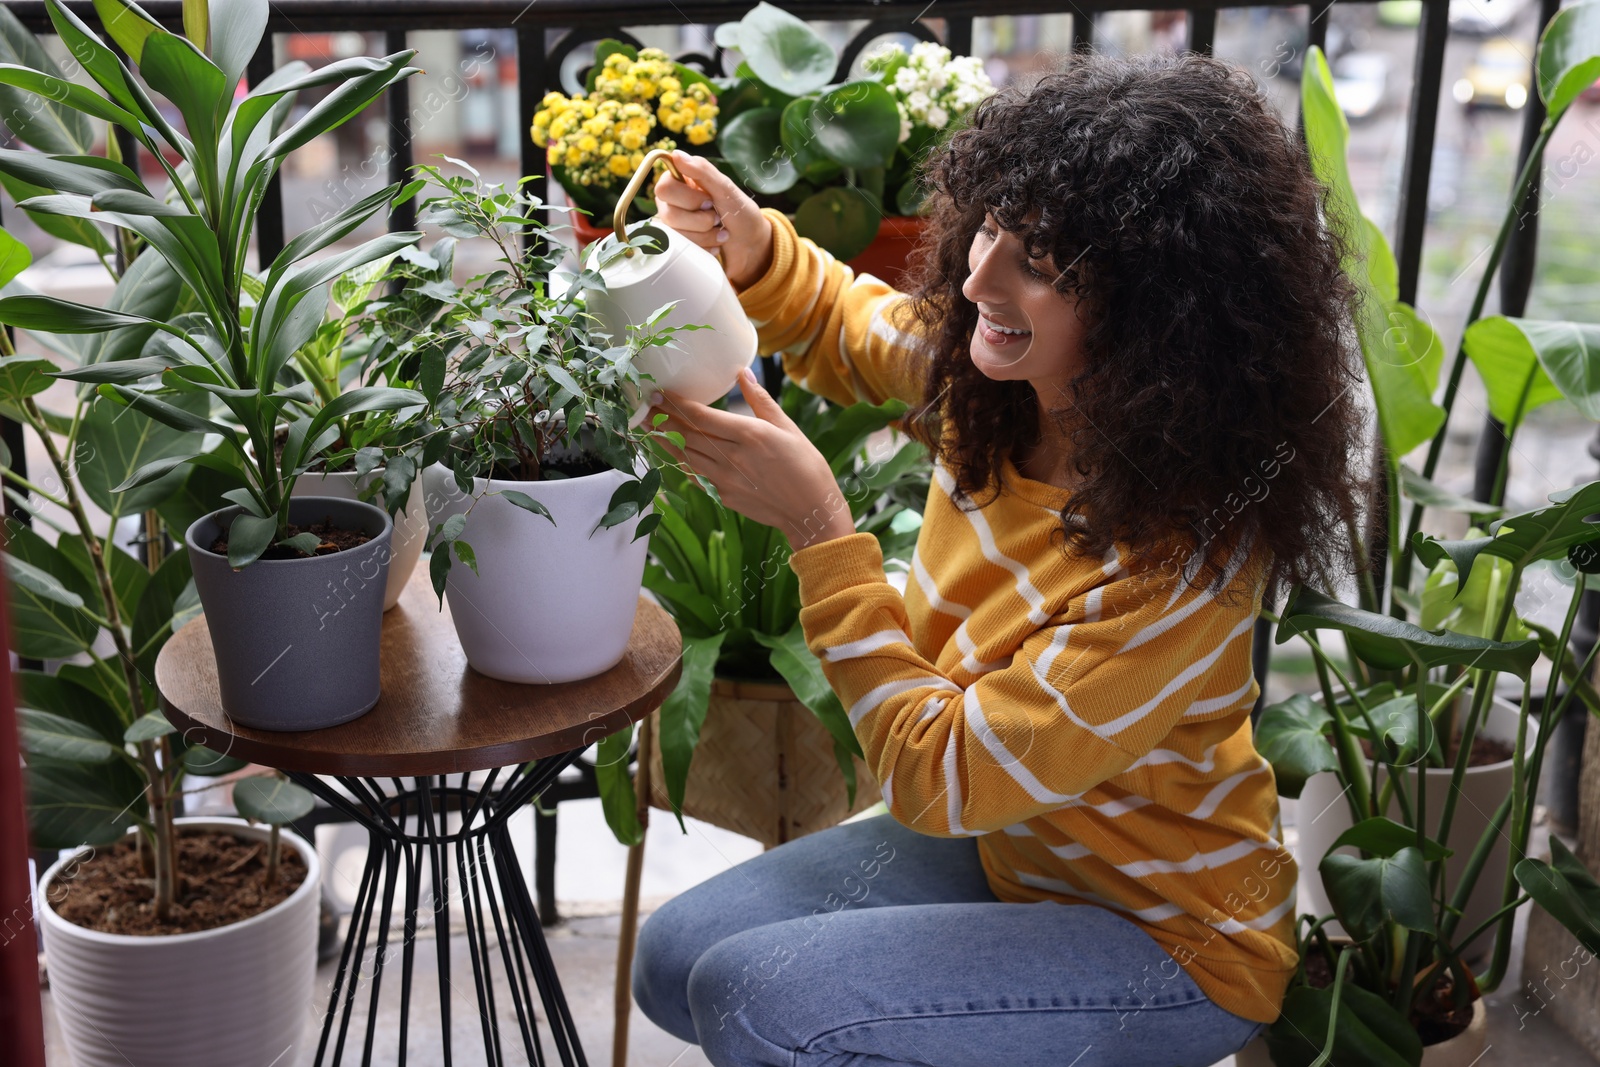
<point x="521" y="383"/>
<point x="182" y="373"/>
<point x="1397" y="710"/>
<point x="726" y="580"/>
<point x="231" y="351"/>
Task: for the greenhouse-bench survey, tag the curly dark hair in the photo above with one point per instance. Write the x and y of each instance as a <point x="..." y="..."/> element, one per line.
<point x="1218" y="349"/>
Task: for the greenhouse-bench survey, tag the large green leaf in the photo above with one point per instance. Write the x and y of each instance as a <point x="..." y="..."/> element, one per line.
<point x="56" y="737"/>
<point x="72" y="230"/>
<point x="1569" y="57"/>
<point x="1566" y="890"/>
<point x="1429" y="493"/>
<point x="800" y="667"/>
<point x="683" y="713"/>
<point x="43" y="624"/>
<point x="1370" y="1032"/>
<point x="784" y="51"/>
<point x="752" y="144"/>
<point x="71" y="804"/>
<point x="236" y="27"/>
<point x="119" y="440"/>
<point x="148" y="288"/>
<point x="63" y="695"/>
<point x="78" y="175"/>
<point x="128" y="24"/>
<point x="1292" y="736"/>
<point x="37" y="120"/>
<point x="1310" y="610"/>
<point x="1401" y="352"/>
<point x="272" y="800"/>
<point x="856" y="125"/>
<point x="24" y="376"/>
<point x="159" y="605"/>
<point x="52" y="315"/>
<point x="1385" y="837"/>
<point x="1510" y="368"/>
<point x="1368" y="893"/>
<point x="14" y="257"/>
<point x="842" y="220"/>
<point x="618" y="801"/>
<point x="1544" y="533"/>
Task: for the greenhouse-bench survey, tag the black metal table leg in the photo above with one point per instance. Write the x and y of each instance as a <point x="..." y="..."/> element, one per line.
<point x="427" y="824"/>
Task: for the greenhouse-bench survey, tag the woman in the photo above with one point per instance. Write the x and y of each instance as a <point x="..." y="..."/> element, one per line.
<point x="1128" y="349"/>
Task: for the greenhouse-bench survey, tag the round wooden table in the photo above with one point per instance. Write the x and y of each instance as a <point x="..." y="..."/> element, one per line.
<point x="392" y="771"/>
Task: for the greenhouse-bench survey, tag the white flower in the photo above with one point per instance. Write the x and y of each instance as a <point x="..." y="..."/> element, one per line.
<point x="937" y="118"/>
<point x="918" y="102"/>
<point x="930" y="50"/>
<point x="905" y="128"/>
<point x="938" y="79"/>
<point x="905" y="79"/>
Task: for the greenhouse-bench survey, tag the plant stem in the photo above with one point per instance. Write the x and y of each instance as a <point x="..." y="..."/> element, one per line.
<point x="1351" y="766"/>
<point x="156" y="783"/>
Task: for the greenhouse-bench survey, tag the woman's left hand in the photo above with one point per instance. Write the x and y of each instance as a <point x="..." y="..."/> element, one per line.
<point x="764" y="467"/>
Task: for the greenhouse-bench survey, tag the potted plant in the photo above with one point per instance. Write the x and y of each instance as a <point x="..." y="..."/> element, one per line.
<point x="1403" y="986"/>
<point x="296" y="634"/>
<point x="538" y="487"/>
<point x="842" y="158"/>
<point x="753" y="739"/>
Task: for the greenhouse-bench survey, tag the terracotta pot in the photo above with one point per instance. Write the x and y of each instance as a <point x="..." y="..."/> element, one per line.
<point x="1322" y="815"/>
<point x="239" y="995"/>
<point x="886" y="257"/>
<point x="550" y="602"/>
<point x="764" y="767"/>
<point x="1463" y="1050"/>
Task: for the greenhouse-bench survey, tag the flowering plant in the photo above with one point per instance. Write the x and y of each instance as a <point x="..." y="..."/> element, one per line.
<point x="594" y="141"/>
<point x="932" y="88"/>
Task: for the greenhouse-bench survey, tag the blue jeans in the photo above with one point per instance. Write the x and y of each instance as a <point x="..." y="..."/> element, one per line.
<point x="870" y="945"/>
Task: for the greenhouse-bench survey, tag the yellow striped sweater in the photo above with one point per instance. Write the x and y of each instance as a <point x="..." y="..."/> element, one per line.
<point x="1087" y="719"/>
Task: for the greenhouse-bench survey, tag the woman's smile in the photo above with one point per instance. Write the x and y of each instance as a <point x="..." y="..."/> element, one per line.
<point x="1016" y="300"/>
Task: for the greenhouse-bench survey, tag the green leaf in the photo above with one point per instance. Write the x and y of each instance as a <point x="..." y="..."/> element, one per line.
<point x="1368" y="893"/>
<point x="248" y="537"/>
<point x="1292" y="736"/>
<point x="57" y="737"/>
<point x="50" y="315"/>
<point x="1569" y="57"/>
<point x="784" y="51"/>
<point x="1511" y="369"/>
<point x="198" y="759"/>
<point x="14" y="255"/>
<point x="148" y="288"/>
<point x="71" y="804"/>
<point x="47" y="596"/>
<point x="237" y="27"/>
<point x="159" y="608"/>
<point x="74" y="231"/>
<point x="119" y="443"/>
<point x="1370" y="1032"/>
<point x="753" y="146"/>
<point x="63" y="695"/>
<point x="24" y="376"/>
<point x="842" y="220"/>
<point x="272" y="800"/>
<point x="856" y="125"/>
<point x="1566" y="890"/>
<point x="1396" y="723"/>
<point x="148" y="727"/>
<point x="800" y="668"/>
<point x="1385" y="837"/>
<point x="1310" y="610"/>
<point x="304" y="543"/>
<point x="1431" y="494"/>
<point x="128" y="25"/>
<point x="527" y="503"/>
<point x="618" y="801"/>
<point x="37" y="119"/>
<point x="684" y="712"/>
<point x="1544" y="533"/>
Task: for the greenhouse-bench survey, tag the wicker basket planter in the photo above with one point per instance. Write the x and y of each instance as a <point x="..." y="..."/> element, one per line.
<point x="764" y="767"/>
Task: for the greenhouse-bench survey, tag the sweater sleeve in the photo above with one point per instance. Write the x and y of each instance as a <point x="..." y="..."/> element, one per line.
<point x="1087" y="693"/>
<point x="843" y="336"/>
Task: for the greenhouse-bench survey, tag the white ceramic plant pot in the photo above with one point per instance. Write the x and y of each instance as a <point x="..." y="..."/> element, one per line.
<point x="549" y="603"/>
<point x="238" y="995"/>
<point x="1463" y="1050"/>
<point x="410" y="524"/>
<point x="1323" y="814"/>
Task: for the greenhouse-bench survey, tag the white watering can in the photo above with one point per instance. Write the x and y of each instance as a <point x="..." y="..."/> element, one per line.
<point x="701" y="365"/>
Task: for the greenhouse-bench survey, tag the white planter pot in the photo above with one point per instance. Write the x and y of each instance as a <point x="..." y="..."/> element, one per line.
<point x="240" y="994"/>
<point x="1322" y="815"/>
<point x="549" y="603"/>
<point x="410" y="524"/>
<point x="1463" y="1050"/>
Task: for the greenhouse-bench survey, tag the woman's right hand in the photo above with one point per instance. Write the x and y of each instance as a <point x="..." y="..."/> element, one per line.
<point x="718" y="216"/>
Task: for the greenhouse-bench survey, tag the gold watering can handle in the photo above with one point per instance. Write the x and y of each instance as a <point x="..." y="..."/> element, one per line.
<point x="619" y="219"/>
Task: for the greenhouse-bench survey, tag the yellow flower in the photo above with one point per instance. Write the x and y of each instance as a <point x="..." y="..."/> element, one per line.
<point x="706" y="112"/>
<point x="627" y="85"/>
<point x="632" y="109"/>
<point x="699" y="134"/>
<point x="607" y="147"/>
<point x="636" y="160"/>
<point x="588" y="143"/>
<point x="647" y="88"/>
<point x="669" y="98"/>
<point x="553" y="155"/>
<point x="631" y="139"/>
<point x="672" y="121"/>
<point x="639" y="125"/>
<point x="552" y="99"/>
<point x="653" y="53"/>
<point x="573" y="156"/>
<point x="619" y="166"/>
<point x="671" y="84"/>
<point x="616" y="61"/>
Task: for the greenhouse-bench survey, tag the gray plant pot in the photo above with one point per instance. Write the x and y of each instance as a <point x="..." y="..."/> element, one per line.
<point x="296" y="640"/>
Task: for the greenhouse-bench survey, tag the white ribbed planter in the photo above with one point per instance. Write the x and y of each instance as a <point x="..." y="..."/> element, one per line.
<point x="410" y="524"/>
<point x="238" y="995"/>
<point x="550" y="603"/>
<point x="1323" y="815"/>
<point x="1463" y="1050"/>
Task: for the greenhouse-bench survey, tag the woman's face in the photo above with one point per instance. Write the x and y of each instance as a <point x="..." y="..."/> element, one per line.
<point x="1015" y="293"/>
